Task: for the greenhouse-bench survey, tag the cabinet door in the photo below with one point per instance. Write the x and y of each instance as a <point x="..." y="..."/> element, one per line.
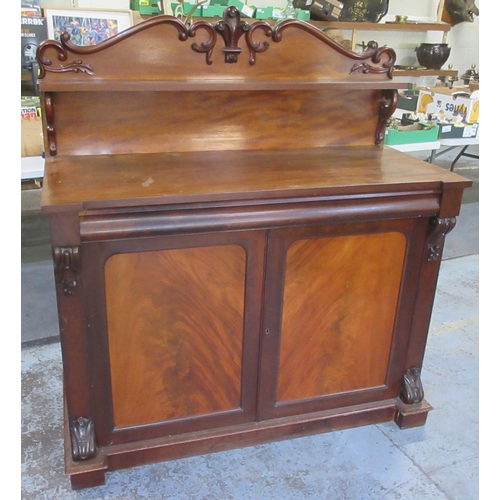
<point x="338" y="310"/>
<point x="173" y="327"/>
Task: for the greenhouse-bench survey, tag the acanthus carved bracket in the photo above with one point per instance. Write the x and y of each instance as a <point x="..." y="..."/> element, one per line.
<point x="67" y="268"/>
<point x="83" y="442"/>
<point x="412" y="391"/>
<point x="439" y="228"/>
<point x="231" y="28"/>
<point x="49" y="121"/>
<point x="387" y="107"/>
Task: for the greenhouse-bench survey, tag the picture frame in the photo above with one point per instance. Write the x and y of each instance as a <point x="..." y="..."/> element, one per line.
<point x="86" y="26"/>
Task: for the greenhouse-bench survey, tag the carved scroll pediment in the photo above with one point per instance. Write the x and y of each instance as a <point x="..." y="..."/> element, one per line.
<point x="235" y="34"/>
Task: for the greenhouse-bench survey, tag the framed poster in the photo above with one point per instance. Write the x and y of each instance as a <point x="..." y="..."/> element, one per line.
<point x="86" y="27"/>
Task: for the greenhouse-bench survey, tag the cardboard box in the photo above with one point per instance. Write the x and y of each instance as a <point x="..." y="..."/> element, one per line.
<point x="246" y="10"/>
<point x="187" y="8"/>
<point x="450" y="103"/>
<point x="31" y="127"/>
<point x="450" y="131"/>
<point x="146" y="7"/>
<point x="264" y="12"/>
<point x="33" y="33"/>
<point x="213" y="10"/>
<point x="304" y="15"/>
<point x="324" y="10"/>
<point x="410" y="134"/>
<point x="408" y="102"/>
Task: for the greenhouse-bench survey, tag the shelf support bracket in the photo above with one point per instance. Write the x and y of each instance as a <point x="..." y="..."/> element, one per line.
<point x="439" y="228"/>
<point x="387" y="107"/>
<point x="67" y="267"/>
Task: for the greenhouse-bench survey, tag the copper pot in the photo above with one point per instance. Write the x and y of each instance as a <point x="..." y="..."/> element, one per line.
<point x="433" y="55"/>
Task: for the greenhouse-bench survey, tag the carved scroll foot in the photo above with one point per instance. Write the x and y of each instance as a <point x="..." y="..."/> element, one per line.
<point x="412" y="391"/>
<point x="411" y="409"/>
<point x="82" y="438"/>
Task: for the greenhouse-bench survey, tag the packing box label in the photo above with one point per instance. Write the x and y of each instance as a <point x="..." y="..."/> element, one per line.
<point x="449" y="104"/>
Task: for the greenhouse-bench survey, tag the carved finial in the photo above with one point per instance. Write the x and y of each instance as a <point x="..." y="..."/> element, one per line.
<point x="231" y="28"/>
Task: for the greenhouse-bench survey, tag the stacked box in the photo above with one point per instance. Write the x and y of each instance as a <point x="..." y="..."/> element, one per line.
<point x="410" y="134"/>
<point x="304" y="15"/>
<point x="146" y="7"/>
<point x="31" y="127"/>
<point x="187" y="8"/>
<point x="213" y="10"/>
<point x="246" y="10"/>
<point x="449" y="103"/>
<point x="323" y="10"/>
<point x="451" y="131"/>
<point x="264" y="12"/>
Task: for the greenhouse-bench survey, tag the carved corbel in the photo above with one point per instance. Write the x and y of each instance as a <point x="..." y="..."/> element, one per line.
<point x="412" y="391"/>
<point x="49" y="120"/>
<point x="439" y="228"/>
<point x="82" y="438"/>
<point x="387" y="107"/>
<point x="67" y="267"/>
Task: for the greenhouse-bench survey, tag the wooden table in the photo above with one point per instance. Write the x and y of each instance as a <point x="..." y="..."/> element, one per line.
<point x="238" y="258"/>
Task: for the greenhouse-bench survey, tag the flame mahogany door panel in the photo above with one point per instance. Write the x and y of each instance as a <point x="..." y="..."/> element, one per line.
<point x="177" y="315"/>
<point x="336" y="314"/>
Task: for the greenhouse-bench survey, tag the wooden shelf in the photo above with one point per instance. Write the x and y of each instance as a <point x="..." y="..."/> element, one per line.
<point x="344" y="25"/>
<point x="193" y="85"/>
<point x="425" y="72"/>
<point x="382" y="26"/>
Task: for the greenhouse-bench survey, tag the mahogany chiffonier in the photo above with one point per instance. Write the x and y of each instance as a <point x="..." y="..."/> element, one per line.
<point x="238" y="258"/>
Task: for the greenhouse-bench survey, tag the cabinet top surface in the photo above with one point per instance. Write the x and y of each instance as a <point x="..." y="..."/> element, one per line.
<point x="133" y="180"/>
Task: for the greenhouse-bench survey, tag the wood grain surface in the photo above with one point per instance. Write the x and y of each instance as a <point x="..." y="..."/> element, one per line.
<point x="154" y="53"/>
<point x="339" y="307"/>
<point x="124" y="180"/>
<point x="175" y="328"/>
<point x="152" y="122"/>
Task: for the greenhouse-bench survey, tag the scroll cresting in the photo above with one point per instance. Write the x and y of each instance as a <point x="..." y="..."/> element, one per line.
<point x="231" y="28"/>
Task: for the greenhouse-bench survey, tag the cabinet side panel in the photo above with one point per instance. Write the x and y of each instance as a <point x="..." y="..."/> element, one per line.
<point x="340" y="302"/>
<point x="175" y="329"/>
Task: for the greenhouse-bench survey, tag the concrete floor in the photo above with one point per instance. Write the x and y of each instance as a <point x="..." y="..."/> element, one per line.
<point x="437" y="461"/>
